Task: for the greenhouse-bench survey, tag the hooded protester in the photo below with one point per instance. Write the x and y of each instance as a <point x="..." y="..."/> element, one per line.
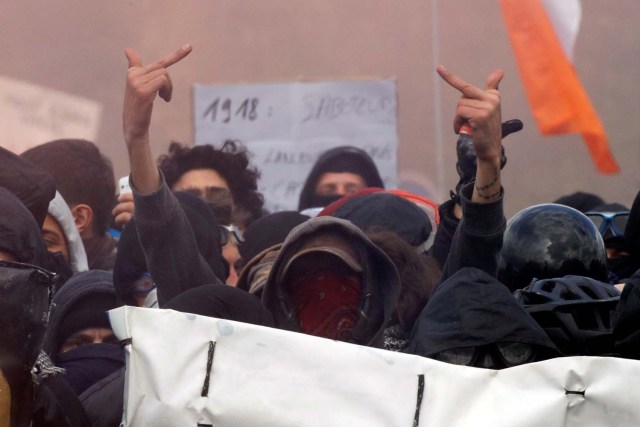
<point x="330" y="280"/>
<point x="221" y="302"/>
<point x="20" y="237"/>
<point x="25" y="296"/>
<point x="338" y="172"/>
<point x="34" y="187"/>
<point x="79" y="337"/>
<point x="64" y="244"/>
<point x="472" y="319"/>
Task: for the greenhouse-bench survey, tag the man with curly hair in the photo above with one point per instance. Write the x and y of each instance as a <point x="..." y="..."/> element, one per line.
<point x="204" y="166"/>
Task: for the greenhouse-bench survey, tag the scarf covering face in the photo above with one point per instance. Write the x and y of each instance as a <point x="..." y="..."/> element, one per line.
<point x="327" y="305"/>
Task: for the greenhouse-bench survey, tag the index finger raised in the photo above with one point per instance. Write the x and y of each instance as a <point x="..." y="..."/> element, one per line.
<point x="456" y="82"/>
<point x="170" y="59"/>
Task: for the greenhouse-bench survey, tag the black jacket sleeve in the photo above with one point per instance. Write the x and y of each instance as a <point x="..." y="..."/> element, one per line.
<point x="169" y="245"/>
<point x="478" y="238"/>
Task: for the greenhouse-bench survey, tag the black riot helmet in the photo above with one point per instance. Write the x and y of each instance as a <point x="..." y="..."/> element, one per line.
<point x="547" y="241"/>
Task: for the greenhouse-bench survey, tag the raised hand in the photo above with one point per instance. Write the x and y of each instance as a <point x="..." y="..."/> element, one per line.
<point x="480" y="110"/>
<point x="143" y="84"/>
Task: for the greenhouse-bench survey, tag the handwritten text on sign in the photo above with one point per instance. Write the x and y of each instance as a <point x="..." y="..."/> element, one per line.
<point x="32" y="115"/>
<point x="286" y="126"/>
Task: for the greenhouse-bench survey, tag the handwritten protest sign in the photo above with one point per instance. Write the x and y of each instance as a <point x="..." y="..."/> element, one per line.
<point x="188" y="370"/>
<point x="32" y="115"/>
<point x="286" y="126"/>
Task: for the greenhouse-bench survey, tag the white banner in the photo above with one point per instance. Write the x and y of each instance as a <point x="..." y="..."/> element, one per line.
<point x="31" y="115"/>
<point x="188" y="370"/>
<point x="286" y="126"/>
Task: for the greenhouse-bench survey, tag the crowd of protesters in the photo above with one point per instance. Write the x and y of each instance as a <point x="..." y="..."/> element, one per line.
<point x="357" y="262"/>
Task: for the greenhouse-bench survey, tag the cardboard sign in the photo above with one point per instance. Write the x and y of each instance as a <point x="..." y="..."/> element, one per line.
<point x="31" y="115"/>
<point x="286" y="126"/>
<point x="188" y="370"/>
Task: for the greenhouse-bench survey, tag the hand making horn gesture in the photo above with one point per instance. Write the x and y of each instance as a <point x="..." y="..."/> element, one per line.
<point x="480" y="110"/>
<point x="143" y="84"/>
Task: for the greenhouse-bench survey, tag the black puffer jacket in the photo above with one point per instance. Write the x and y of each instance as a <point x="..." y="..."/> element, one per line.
<point x="380" y="281"/>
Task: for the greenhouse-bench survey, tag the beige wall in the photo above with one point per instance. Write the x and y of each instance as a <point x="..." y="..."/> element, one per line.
<point x="76" y="46"/>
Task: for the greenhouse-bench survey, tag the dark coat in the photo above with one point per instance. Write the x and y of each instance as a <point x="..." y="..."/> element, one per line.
<point x="472" y="309"/>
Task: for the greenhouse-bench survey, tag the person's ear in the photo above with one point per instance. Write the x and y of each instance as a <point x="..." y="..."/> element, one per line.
<point x="83" y="217"/>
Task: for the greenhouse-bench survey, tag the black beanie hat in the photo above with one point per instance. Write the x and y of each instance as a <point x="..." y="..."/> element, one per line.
<point x="89" y="311"/>
<point x="267" y="231"/>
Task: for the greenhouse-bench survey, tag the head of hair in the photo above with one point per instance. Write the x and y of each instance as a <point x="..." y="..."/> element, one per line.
<point x="231" y="162"/>
<point x="82" y="175"/>
<point x="419" y="274"/>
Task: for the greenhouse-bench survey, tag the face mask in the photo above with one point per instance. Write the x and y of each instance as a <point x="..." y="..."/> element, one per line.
<point x="623" y="267"/>
<point x="327" y="305"/>
<point x="57" y="263"/>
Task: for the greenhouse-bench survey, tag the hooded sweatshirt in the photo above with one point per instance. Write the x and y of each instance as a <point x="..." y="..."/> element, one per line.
<point x="19" y="233"/>
<point x="33" y="186"/>
<point x="472" y="309"/>
<point x="380" y="283"/>
<point x="59" y="210"/>
<point x="339" y="159"/>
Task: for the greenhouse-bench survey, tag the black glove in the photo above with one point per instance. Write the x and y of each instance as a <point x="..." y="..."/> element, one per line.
<point x="467" y="161"/>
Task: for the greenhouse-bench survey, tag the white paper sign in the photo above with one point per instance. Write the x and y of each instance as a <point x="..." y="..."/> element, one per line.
<point x="265" y="377"/>
<point x="286" y="126"/>
<point x="31" y="115"/>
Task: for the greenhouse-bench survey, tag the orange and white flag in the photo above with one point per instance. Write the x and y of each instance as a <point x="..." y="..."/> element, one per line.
<point x="543" y="34"/>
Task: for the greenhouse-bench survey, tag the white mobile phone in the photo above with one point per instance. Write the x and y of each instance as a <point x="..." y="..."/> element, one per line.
<point x="123" y="185"/>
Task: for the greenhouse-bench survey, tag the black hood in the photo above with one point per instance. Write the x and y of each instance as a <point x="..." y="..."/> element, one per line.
<point x="380" y="281"/>
<point x="33" y="186"/>
<point x="80" y="286"/>
<point x="339" y="159"/>
<point x="19" y="232"/>
<point x="472" y="309"/>
<point x="222" y="302"/>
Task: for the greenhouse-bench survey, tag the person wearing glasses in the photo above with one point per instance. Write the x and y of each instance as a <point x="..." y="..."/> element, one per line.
<point x="611" y="220"/>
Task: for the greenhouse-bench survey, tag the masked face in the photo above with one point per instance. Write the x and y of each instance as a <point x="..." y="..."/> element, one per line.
<point x="54" y="237"/>
<point x="326" y="296"/>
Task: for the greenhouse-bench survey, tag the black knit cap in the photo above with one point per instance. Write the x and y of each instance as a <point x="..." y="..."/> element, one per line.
<point x="89" y="311"/>
<point x="268" y="231"/>
<point x="390" y="212"/>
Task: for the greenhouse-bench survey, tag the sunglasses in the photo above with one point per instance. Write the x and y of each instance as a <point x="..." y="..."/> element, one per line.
<point x="616" y="221"/>
<point x="506" y="354"/>
<point x="230" y="231"/>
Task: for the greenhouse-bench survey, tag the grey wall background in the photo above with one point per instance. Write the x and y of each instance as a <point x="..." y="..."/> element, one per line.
<point x="76" y="46"/>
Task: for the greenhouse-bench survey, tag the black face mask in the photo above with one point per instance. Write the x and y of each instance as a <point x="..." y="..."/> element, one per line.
<point x="623" y="267"/>
<point x="58" y="264"/>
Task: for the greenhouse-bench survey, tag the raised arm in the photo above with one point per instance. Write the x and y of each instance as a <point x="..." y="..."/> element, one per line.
<point x="480" y="110"/>
<point x="143" y="84"/>
<point x="478" y="238"/>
